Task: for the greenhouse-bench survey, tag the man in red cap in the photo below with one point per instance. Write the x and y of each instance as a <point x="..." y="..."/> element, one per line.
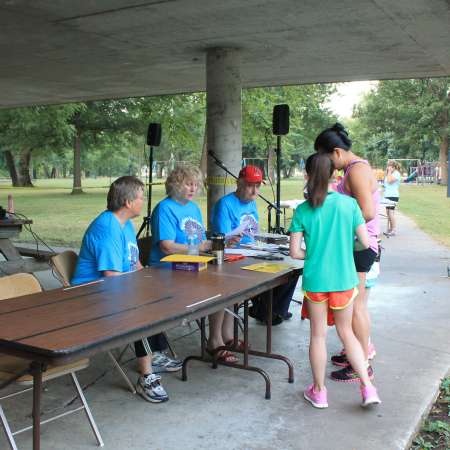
<point x="237" y="211"/>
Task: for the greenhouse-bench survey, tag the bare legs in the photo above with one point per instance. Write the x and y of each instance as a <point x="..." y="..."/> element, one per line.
<point x="353" y="349"/>
<point x="318" y="348"/>
<point x="361" y="318"/>
<point x="145" y="365"/>
<point x="317" y="343"/>
<point x="391" y="221"/>
<point x="220" y="329"/>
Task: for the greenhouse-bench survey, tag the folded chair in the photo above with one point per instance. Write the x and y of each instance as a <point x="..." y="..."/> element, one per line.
<point x="13" y="370"/>
<point x="63" y="266"/>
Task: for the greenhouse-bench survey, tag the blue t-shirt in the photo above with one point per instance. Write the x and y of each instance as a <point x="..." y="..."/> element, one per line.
<point x="230" y="212"/>
<point x="392" y="189"/>
<point x="172" y="221"/>
<point x="107" y="245"/>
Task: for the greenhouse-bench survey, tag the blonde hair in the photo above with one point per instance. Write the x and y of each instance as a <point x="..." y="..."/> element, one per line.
<point x="179" y="176"/>
<point x="395" y="165"/>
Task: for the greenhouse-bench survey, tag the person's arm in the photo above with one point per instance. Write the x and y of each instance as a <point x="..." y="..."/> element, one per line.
<point x="221" y="222"/>
<point x="360" y="184"/>
<point x="392" y="176"/>
<point x="295" y="250"/>
<point x="112" y="273"/>
<point x="363" y="237"/>
<point x="169" y="247"/>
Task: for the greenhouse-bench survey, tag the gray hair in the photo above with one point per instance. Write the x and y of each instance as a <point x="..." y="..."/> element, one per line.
<point x="179" y="176"/>
<point x="122" y="190"/>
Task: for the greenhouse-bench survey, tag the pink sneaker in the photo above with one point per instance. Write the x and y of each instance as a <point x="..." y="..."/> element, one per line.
<point x="371" y="351"/>
<point x="317" y="399"/>
<point x="369" y="396"/>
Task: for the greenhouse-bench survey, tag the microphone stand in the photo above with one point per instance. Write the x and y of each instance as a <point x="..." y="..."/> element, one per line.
<point x="271" y="205"/>
<point x="147" y="219"/>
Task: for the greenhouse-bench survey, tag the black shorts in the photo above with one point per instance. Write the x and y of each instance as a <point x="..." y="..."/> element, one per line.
<point x="392" y="199"/>
<point x="364" y="260"/>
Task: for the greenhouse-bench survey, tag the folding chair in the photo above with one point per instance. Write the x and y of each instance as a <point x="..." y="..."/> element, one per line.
<point x="63" y="266"/>
<point x="13" y="370"/>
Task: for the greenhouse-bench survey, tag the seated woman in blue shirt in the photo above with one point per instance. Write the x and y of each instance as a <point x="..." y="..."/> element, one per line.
<point x="177" y="227"/>
<point x="177" y="224"/>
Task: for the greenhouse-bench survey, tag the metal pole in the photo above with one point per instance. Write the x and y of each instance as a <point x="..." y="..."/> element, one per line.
<point x="150" y="181"/>
<point x="278" y="212"/>
<point x="36" y="369"/>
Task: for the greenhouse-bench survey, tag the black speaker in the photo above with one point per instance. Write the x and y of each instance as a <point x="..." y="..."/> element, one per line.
<point x="154" y="134"/>
<point x="280" y="120"/>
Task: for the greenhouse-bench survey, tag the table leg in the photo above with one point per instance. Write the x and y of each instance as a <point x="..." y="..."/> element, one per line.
<point x="203" y="350"/>
<point x="36" y="370"/>
<point x="268" y="353"/>
<point x="246" y="352"/>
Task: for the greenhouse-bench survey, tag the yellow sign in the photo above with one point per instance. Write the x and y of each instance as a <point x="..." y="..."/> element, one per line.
<point x="221" y="181"/>
<point x="187" y="258"/>
<point x="267" y="267"/>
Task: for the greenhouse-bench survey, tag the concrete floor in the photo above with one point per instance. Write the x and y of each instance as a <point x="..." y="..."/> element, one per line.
<point x="226" y="409"/>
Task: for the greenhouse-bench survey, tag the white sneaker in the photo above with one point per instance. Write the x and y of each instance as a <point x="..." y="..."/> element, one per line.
<point x="163" y="363"/>
<point x="150" y="389"/>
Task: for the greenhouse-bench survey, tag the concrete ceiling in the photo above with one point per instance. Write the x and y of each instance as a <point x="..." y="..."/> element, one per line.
<point x="62" y="51"/>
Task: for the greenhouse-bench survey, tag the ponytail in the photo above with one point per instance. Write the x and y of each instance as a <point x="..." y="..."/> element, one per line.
<point x="319" y="169"/>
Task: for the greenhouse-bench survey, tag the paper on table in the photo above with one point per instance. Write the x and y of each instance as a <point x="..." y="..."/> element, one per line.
<point x="261" y="246"/>
<point x="267" y="267"/>
<point x="244" y="252"/>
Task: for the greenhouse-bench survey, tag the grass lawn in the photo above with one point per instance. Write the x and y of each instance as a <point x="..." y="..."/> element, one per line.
<point x="429" y="207"/>
<point x="61" y="219"/>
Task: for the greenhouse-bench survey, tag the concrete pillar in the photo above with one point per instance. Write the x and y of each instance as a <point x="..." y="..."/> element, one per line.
<point x="223" y="120"/>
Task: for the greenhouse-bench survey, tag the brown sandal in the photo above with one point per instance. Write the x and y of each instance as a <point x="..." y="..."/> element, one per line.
<point x="224" y="356"/>
<point x="240" y="345"/>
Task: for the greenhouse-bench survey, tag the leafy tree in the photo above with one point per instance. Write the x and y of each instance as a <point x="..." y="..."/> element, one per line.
<point x="37" y="130"/>
<point x="406" y="119"/>
<point x="308" y="116"/>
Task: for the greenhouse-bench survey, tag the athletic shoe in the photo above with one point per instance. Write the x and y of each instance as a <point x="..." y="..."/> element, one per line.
<point x="162" y="363"/>
<point x="150" y="389"/>
<point x="287" y="316"/>
<point x="369" y="396"/>
<point x="317" y="399"/>
<point x="342" y="361"/>
<point x="348" y="375"/>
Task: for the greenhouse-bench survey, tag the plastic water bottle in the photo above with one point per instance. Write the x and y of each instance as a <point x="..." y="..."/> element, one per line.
<point x="192" y="246"/>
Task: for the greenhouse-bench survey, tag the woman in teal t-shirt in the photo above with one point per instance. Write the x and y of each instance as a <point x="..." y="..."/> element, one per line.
<point x="329" y="221"/>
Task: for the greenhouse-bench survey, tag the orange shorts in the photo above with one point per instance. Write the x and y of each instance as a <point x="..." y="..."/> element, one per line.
<point x="336" y="300"/>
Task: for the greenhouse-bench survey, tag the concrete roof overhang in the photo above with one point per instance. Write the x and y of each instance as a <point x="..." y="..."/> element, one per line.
<point x="63" y="51"/>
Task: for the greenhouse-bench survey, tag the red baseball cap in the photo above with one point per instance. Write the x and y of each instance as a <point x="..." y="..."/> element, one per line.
<point x="251" y="174"/>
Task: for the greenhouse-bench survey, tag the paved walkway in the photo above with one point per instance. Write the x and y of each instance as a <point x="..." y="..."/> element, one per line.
<point x="225" y="409"/>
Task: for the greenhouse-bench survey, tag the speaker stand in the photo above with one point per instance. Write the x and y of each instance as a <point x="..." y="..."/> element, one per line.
<point x="147" y="220"/>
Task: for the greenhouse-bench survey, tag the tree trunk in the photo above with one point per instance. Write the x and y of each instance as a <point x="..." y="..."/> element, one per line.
<point x="46" y="171"/>
<point x="77" y="163"/>
<point x="11" y="164"/>
<point x="53" y="173"/>
<point x="443" y="148"/>
<point x="23" y="166"/>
